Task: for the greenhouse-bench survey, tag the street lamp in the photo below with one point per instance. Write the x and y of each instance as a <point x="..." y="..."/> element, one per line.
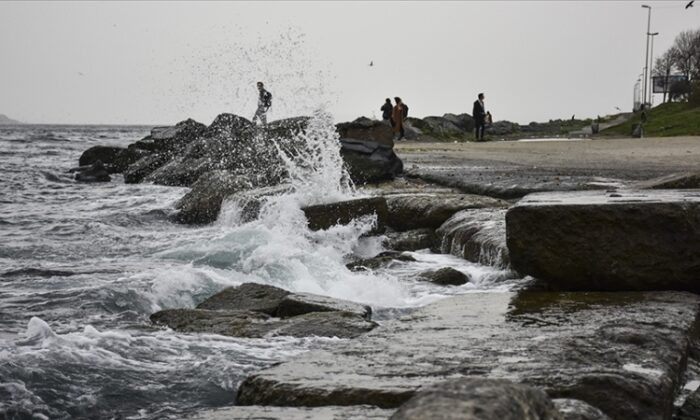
<point x="646" y="59"/>
<point x="651" y="67"/>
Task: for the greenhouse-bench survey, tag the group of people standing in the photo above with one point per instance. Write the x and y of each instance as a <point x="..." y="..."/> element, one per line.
<point x="396" y="115"/>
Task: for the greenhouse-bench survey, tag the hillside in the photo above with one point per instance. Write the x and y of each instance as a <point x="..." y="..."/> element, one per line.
<point x="665" y="120"/>
<point x="4" y="119"/>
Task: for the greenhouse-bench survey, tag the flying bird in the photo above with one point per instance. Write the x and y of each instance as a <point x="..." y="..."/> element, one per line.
<point x="371" y="63"/>
<point x="81" y="73"/>
<point x="618" y="108"/>
<point x="689" y="5"/>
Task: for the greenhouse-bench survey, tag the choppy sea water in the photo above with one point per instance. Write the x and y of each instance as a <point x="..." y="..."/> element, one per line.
<point x="83" y="266"/>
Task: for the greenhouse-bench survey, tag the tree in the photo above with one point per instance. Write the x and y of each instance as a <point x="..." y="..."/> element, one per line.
<point x="663" y="68"/>
<point x="686" y="48"/>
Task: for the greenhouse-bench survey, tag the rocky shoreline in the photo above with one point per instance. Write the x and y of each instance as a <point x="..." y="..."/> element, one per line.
<point x="607" y="327"/>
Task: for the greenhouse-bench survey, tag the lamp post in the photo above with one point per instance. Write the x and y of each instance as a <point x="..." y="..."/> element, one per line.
<point x="651" y="67"/>
<point x="646" y="59"/>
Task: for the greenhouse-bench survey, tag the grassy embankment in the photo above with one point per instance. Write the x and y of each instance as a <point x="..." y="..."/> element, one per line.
<point x="665" y="120"/>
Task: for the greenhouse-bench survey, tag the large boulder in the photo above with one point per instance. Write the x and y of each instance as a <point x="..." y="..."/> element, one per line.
<point x="202" y="203"/>
<point x="140" y="169"/>
<point x="478" y="398"/>
<point x="646" y="240"/>
<point x="622" y="353"/>
<point x="247" y="297"/>
<point x="410" y="240"/>
<point x="324" y="216"/>
<point x="105" y="154"/>
<point x="414" y="211"/>
<point x="571" y="409"/>
<point x="477" y="235"/>
<point x="171" y="139"/>
<point x="464" y="122"/>
<point x="365" y="129"/>
<point x="383" y="259"/>
<point x="442" y="127"/>
<point x="295" y="304"/>
<point x="369" y="162"/>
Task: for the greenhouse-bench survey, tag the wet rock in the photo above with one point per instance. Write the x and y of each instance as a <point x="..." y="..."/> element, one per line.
<point x="95" y="172"/>
<point x="381" y="260"/>
<point x="578" y="410"/>
<point x="414" y="211"/>
<point x="690" y="410"/>
<point x="623" y="353"/>
<point x="478" y="398"/>
<point x="140" y="169"/>
<point x="247" y="297"/>
<point x="365" y="129"/>
<point x="105" y="154"/>
<point x="223" y="322"/>
<point x="475" y="235"/>
<point x="302" y="303"/>
<point x="293" y="413"/>
<point x="464" y="122"/>
<point x="202" y="203"/>
<point x="324" y="216"/>
<point x="441" y="127"/>
<point x="646" y="240"/>
<point x="446" y="276"/>
<point x="250" y="202"/>
<point x="672" y="181"/>
<point x="250" y="324"/>
<point x="369" y="162"/>
<point x="410" y="240"/>
<point x="170" y="139"/>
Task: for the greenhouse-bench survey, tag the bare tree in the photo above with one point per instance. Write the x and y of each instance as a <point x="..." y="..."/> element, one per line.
<point x="685" y="49"/>
<point x="663" y="68"/>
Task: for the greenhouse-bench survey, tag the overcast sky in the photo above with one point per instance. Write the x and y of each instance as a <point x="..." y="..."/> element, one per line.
<point x="161" y="62"/>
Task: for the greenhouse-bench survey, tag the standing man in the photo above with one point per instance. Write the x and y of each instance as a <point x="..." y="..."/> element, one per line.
<point x="386" y="110"/>
<point x="397" y="116"/>
<point x="264" y="103"/>
<point x="479" y="114"/>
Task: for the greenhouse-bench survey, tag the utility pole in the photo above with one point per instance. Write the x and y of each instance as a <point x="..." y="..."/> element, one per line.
<point x="651" y="68"/>
<point x="646" y="58"/>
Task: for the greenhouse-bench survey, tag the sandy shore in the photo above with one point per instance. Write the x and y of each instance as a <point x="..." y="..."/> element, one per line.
<point x="657" y="154"/>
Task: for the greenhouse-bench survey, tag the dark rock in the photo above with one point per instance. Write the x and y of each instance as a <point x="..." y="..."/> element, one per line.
<point x="95" y="172"/>
<point x="324" y="216"/>
<point x="251" y="324"/>
<point x="224" y="322"/>
<point x="324" y="324"/>
<point x="170" y="140"/>
<point x="690" y="410"/>
<point x="416" y="211"/>
<point x="365" y="129"/>
<point x="464" y="122"/>
<point x="441" y="127"/>
<point x="673" y="181"/>
<point x="139" y="170"/>
<point x="475" y="235"/>
<point x="369" y="162"/>
<point x="228" y="125"/>
<point x="292" y="413"/>
<point x="446" y="276"/>
<point x="589" y="241"/>
<point x="410" y="240"/>
<point x="247" y="297"/>
<point x="478" y="398"/>
<point x="578" y="410"/>
<point x="202" y="203"/>
<point x="105" y="154"/>
<point x="378" y="261"/>
<point x="622" y="353"/>
<point x="302" y="303"/>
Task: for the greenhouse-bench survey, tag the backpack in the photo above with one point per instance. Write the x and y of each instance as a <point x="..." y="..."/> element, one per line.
<point x="267" y="99"/>
<point x="405" y="110"/>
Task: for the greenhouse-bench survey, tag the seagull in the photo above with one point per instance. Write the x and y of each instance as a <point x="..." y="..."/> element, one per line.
<point x="371" y="63"/>
<point x="81" y="73"/>
<point x="618" y="108"/>
<point x="689" y="5"/>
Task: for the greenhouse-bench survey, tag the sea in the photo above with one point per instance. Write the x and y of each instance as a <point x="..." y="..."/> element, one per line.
<point x="83" y="266"/>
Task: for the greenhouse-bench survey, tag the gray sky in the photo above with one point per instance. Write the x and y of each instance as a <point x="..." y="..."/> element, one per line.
<point x="161" y="62"/>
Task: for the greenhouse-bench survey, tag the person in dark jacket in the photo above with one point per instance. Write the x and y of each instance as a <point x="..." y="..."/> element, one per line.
<point x="479" y="114"/>
<point x="398" y="115"/>
<point x="264" y="103"/>
<point x="386" y="110"/>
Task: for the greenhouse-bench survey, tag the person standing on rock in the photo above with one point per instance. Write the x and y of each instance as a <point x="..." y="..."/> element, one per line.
<point x="398" y="115"/>
<point x="264" y="103"/>
<point x="386" y="111"/>
<point x="479" y="114"/>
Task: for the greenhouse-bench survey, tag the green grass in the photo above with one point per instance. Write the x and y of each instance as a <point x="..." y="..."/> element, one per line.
<point x="665" y="120"/>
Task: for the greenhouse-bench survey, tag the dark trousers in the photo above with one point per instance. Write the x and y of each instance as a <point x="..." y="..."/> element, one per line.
<point x="479" y="129"/>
